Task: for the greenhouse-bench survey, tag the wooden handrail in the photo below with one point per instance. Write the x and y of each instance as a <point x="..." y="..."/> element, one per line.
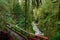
<point x="17" y="33"/>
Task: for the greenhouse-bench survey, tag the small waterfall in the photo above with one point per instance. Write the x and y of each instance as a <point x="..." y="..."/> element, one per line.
<point x="35" y="28"/>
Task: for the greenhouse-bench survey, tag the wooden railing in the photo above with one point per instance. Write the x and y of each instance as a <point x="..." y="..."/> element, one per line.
<point x="15" y="32"/>
<point x="25" y="37"/>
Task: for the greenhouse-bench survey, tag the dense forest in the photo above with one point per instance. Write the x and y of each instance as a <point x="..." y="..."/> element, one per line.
<point x="19" y="15"/>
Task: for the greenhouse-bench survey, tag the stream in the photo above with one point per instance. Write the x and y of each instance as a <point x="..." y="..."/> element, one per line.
<point x="35" y="28"/>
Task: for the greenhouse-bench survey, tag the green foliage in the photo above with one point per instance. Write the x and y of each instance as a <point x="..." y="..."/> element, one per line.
<point x="56" y="36"/>
<point x="24" y="13"/>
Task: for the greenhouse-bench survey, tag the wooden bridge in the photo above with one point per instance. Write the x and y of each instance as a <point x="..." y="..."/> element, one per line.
<point x="22" y="37"/>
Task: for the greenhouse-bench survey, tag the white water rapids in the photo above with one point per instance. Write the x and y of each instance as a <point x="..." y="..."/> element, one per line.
<point x="35" y="28"/>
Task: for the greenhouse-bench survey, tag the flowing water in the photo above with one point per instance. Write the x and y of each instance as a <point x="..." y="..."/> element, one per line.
<point x="35" y="28"/>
